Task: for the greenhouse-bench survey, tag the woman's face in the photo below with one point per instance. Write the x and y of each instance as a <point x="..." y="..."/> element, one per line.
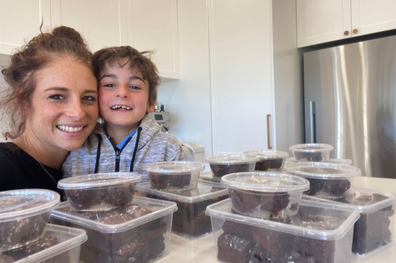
<point x="64" y="106"/>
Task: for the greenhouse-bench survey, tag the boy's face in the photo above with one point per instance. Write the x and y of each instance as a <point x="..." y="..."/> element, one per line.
<point x="123" y="96"/>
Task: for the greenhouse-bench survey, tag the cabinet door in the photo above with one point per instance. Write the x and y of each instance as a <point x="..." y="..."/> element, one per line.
<point x="99" y="21"/>
<point x="152" y="25"/>
<point x="323" y="21"/>
<point x="370" y="16"/>
<point x="20" y="20"/>
<point x="241" y="74"/>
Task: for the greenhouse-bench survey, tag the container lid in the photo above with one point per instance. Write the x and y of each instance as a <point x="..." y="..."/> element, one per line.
<point x="343" y="161"/>
<point x="268" y="154"/>
<point x="365" y="200"/>
<point x="203" y="192"/>
<point x="265" y="182"/>
<point x="228" y="159"/>
<point x="323" y="170"/>
<point x="175" y="167"/>
<point x="67" y="238"/>
<point x="16" y="204"/>
<point x="94" y="220"/>
<point x="311" y="147"/>
<point x="337" y="219"/>
<point x="98" y="180"/>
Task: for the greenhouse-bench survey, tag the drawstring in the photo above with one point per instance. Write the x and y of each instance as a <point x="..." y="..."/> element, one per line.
<point x="136" y="147"/>
<point x="98" y="153"/>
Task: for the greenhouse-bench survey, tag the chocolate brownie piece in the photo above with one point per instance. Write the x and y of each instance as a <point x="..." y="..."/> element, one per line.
<point x="233" y="248"/>
<point x="40" y="245"/>
<point x="237" y="229"/>
<point x="101" y="199"/>
<point x="260" y="255"/>
<point x="328" y="188"/>
<point x="274" y="203"/>
<point x="265" y="164"/>
<point x="162" y="181"/>
<point x="220" y="170"/>
<point x="278" y="244"/>
<point x="312" y="250"/>
<point x="23" y="231"/>
<point x="243" y="201"/>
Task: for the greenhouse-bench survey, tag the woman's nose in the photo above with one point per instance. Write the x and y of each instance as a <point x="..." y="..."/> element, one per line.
<point x="76" y="110"/>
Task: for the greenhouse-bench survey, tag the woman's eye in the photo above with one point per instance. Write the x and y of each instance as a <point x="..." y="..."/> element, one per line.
<point x="56" y="97"/>
<point x="109" y="85"/>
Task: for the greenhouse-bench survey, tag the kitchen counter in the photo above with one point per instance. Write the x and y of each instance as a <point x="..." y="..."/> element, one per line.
<point x="204" y="250"/>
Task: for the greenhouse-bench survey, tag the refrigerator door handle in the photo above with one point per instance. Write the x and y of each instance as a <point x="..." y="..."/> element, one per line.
<point x="312" y="121"/>
<point x="268" y="132"/>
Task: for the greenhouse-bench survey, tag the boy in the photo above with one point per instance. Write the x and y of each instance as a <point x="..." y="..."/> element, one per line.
<point x="127" y="139"/>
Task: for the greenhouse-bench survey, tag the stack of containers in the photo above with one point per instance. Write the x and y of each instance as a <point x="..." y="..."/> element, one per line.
<point x="120" y="226"/>
<point x="265" y="220"/>
<point x="333" y="182"/>
<point x="269" y="159"/>
<point x="189" y="221"/>
<point x="25" y="235"/>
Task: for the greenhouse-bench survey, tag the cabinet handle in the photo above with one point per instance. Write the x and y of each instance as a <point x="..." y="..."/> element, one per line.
<point x="346" y="32"/>
<point x="355" y="31"/>
<point x="268" y="132"/>
<point x="312" y="121"/>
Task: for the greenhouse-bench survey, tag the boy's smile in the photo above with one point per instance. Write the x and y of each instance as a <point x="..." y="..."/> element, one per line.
<point x="123" y="96"/>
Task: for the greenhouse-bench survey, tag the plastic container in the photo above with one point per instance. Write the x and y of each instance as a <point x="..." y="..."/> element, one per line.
<point x="24" y="215"/>
<point x="320" y="232"/>
<point x="174" y="175"/>
<point x="190" y="220"/>
<point x="101" y="191"/>
<point x="375" y="227"/>
<point x="330" y="160"/>
<point x="312" y="152"/>
<point x="231" y="163"/>
<point x="272" y="195"/>
<point x="58" y="245"/>
<point x="269" y="159"/>
<point x="327" y="180"/>
<point x="138" y="233"/>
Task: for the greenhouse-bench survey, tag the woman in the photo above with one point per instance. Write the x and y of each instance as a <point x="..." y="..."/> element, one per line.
<point x="51" y="108"/>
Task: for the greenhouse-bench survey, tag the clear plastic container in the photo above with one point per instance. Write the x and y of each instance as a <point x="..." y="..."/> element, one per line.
<point x="137" y="233"/>
<point x="174" y="175"/>
<point x="312" y="152"/>
<point x="327" y="180"/>
<point x="375" y="227"/>
<point x="24" y="215"/>
<point x="320" y="232"/>
<point x="231" y="163"/>
<point x="330" y="160"/>
<point x="59" y="244"/>
<point x="272" y="195"/>
<point x="269" y="159"/>
<point x="101" y="191"/>
<point x="190" y="220"/>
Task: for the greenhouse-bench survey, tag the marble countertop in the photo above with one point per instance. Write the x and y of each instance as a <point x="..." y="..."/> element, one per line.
<point x="204" y="250"/>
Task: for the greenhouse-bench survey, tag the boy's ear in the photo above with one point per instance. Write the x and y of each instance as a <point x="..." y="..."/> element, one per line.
<point x="151" y="108"/>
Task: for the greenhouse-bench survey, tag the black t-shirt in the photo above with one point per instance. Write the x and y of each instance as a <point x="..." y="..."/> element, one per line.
<point x="19" y="170"/>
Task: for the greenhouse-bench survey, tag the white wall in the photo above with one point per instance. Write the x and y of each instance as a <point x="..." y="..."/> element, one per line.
<point x="4" y="60"/>
<point x="287" y="76"/>
<point x="188" y="99"/>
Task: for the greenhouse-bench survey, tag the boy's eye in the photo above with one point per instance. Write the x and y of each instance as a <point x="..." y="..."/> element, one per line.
<point x="56" y="97"/>
<point x="134" y="87"/>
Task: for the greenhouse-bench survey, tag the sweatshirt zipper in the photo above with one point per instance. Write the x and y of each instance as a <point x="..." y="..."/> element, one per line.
<point x="117" y="164"/>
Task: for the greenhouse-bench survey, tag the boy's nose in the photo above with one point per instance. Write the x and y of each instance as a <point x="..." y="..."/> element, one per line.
<point x="122" y="92"/>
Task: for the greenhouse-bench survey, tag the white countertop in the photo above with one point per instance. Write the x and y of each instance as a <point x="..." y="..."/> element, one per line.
<point x="204" y="250"/>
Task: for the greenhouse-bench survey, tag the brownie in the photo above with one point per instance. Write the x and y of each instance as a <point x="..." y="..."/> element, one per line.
<point x="307" y="250"/>
<point x="164" y="181"/>
<point x="332" y="189"/>
<point x="22" y="231"/>
<point x="101" y="199"/>
<point x="190" y="219"/>
<point x="40" y="245"/>
<point x="372" y="230"/>
<point x="233" y="248"/>
<point x="274" y="203"/>
<point x="220" y="170"/>
<point x="237" y="229"/>
<point x="265" y="164"/>
<point x="243" y="201"/>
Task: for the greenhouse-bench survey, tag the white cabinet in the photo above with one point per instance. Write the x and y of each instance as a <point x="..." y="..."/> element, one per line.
<point x="320" y="21"/>
<point x="241" y="61"/>
<point x="19" y="21"/>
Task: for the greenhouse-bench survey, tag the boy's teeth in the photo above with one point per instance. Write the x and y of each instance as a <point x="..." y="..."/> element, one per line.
<point x="69" y="129"/>
<point x="117" y="107"/>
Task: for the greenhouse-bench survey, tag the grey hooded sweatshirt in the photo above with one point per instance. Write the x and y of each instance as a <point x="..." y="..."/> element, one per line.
<point x="147" y="145"/>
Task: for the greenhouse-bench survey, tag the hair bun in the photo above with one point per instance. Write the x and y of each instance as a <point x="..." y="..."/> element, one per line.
<point x="70" y="33"/>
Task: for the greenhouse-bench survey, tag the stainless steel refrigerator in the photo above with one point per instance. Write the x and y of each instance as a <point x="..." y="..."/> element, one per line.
<point x="350" y="103"/>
